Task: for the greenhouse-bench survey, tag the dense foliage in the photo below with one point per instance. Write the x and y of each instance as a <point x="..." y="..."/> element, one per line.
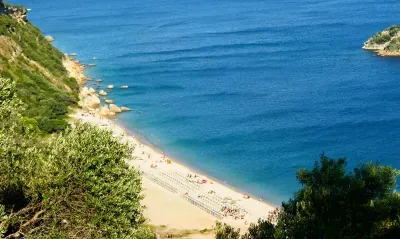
<point x="336" y="204"/>
<point x="36" y="67"/>
<point x="224" y="231"/>
<point x="72" y="185"/>
<point x="381" y="38"/>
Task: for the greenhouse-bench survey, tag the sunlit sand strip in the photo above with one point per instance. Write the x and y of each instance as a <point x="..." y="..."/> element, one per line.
<point x="219" y="201"/>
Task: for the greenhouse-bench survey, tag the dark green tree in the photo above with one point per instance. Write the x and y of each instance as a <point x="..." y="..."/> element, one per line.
<point x="261" y="230"/>
<point x="224" y="231"/>
<point x="336" y="204"/>
<point x="72" y="185"/>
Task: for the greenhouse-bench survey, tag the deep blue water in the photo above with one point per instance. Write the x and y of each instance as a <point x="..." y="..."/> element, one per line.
<point x="247" y="91"/>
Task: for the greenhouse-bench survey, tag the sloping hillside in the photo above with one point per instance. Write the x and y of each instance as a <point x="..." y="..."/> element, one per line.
<point x="36" y="66"/>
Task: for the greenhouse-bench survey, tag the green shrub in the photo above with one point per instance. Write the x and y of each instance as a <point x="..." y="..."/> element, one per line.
<point x="29" y="125"/>
<point x="52" y="125"/>
<point x="381" y="38"/>
<point x="393" y="30"/>
<point x="335" y="203"/>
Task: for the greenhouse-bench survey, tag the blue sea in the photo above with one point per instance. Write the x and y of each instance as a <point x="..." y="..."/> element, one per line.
<point x="247" y="91"/>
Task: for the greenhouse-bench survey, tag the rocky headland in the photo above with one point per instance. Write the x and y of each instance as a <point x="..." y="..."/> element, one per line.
<point x="386" y="42"/>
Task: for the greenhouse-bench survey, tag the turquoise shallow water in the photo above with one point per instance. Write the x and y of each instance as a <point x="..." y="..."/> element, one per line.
<point x="247" y="91"/>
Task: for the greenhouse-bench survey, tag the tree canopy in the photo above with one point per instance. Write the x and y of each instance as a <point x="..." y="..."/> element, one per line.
<point x="74" y="184"/>
<point x="334" y="203"/>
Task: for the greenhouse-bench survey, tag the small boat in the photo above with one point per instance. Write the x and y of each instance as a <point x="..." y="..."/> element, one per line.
<point x="124" y="87"/>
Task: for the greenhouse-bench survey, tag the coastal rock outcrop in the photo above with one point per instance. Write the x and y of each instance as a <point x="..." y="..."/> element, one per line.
<point x="102" y="93"/>
<point x="18" y="13"/>
<point x="84" y="91"/>
<point x="75" y="70"/>
<point x="123" y="108"/>
<point x="114" y="108"/>
<point x="385" y="43"/>
<point x="109" y="101"/>
<point x="91" y="101"/>
<point x="49" y="38"/>
<point x="92" y="91"/>
<point x="104" y="111"/>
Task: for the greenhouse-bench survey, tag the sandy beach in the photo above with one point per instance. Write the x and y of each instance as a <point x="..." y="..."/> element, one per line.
<point x="178" y="199"/>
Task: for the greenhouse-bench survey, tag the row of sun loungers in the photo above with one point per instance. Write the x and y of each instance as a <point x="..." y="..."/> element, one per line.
<point x="195" y="193"/>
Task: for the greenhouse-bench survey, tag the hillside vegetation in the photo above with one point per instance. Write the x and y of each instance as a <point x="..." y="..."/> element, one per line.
<point x="385" y="43"/>
<point x="42" y="83"/>
<point x="74" y="183"/>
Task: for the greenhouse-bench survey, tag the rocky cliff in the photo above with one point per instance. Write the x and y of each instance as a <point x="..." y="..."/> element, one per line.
<point x="386" y="42"/>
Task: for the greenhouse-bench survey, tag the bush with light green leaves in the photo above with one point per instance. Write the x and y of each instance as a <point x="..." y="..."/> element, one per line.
<point x="71" y="185"/>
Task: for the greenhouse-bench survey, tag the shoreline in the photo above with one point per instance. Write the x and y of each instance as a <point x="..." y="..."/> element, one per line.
<point x="195" y="200"/>
<point x="148" y="143"/>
